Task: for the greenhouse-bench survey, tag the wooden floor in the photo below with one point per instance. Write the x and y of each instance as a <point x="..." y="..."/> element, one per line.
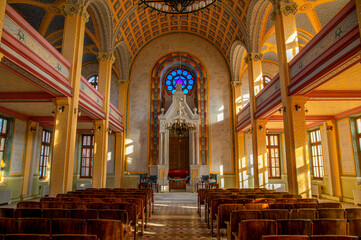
<point x="175" y="217"/>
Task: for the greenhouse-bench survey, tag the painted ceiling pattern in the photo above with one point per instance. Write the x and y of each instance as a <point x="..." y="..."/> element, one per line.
<point x="220" y="24"/>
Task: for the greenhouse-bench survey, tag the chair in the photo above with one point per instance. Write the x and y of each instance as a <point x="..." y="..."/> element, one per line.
<point x="305" y="205"/>
<point x="286" y="200"/>
<point x="281" y="206"/>
<point x="214" y="209"/>
<point x="329" y="227"/>
<point x="56" y="213"/>
<point x="8" y="225"/>
<point x="99" y="205"/>
<point x="335" y="213"/>
<point x="303" y="213"/>
<point x="237" y="216"/>
<point x="352" y="213"/>
<point x="34" y="225"/>
<point x="224" y="214"/>
<point x="294" y="227"/>
<point x="28" y="213"/>
<point x="307" y="200"/>
<point x="355" y="227"/>
<point x="74" y="205"/>
<point x="265" y="200"/>
<point x="21" y="236"/>
<point x="52" y="204"/>
<point x="258" y="206"/>
<point x="84" y="213"/>
<point x="114" y="214"/>
<point x="28" y="204"/>
<point x="131" y="209"/>
<point x="242" y="200"/>
<point x="285" y="237"/>
<point x="333" y="237"/>
<point x="105" y="229"/>
<point x="74" y="237"/>
<point x="7" y="212"/>
<point x="329" y="205"/>
<point x="68" y="226"/>
<point x="255" y="229"/>
<point x="274" y="214"/>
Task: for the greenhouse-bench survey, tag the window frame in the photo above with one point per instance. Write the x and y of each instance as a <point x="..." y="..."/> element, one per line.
<point x="319" y="157"/>
<point x="45" y="145"/>
<point x="90" y="158"/>
<point x="269" y="158"/>
<point x="358" y="134"/>
<point x="3" y="136"/>
<point x="95" y="84"/>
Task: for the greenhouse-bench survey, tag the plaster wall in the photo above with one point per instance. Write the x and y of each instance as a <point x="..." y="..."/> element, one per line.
<point x="218" y="104"/>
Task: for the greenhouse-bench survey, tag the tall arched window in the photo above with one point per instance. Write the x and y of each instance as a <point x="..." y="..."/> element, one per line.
<point x="93" y="80"/>
<point x="180" y="76"/>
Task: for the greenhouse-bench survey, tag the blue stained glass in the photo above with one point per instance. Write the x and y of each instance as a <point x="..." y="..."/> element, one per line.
<point x="179" y="76"/>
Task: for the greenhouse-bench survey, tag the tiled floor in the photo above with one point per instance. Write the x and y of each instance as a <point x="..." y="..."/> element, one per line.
<point x="176" y="218"/>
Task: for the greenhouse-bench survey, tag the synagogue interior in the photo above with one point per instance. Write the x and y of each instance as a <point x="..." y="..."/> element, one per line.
<point x="140" y="118"/>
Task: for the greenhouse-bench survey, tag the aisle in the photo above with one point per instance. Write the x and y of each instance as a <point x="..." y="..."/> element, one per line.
<point x="175" y="217"/>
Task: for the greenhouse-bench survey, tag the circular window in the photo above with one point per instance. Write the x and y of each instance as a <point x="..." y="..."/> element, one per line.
<point x="179" y="76"/>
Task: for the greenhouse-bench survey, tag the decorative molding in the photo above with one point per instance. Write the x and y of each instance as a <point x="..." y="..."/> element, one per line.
<point x="75" y="9"/>
<point x="286" y="8"/>
<point x="123" y="82"/>
<point x="236" y="84"/>
<point x="255" y="57"/>
<point x="106" y="56"/>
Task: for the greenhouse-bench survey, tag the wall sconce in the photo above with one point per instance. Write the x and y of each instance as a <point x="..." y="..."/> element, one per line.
<point x="53" y="113"/>
<point x="79" y="113"/>
<point x="250" y="130"/>
<point x="260" y="128"/>
<point x="92" y="130"/>
<point x="306" y="110"/>
<point x="61" y="109"/>
<point x="267" y="130"/>
<point x="282" y="109"/>
<point x="98" y="128"/>
<point x="33" y="129"/>
<point x="109" y="131"/>
<point x="298" y="107"/>
<point x="329" y="128"/>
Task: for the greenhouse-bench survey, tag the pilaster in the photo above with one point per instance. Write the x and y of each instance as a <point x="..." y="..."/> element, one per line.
<point x="106" y="61"/>
<point x="2" y="15"/>
<point x="65" y="122"/>
<point x="240" y="155"/>
<point x="123" y="87"/>
<point x="119" y="160"/>
<point x="254" y="61"/>
<point x="260" y="130"/>
<point x="27" y="169"/>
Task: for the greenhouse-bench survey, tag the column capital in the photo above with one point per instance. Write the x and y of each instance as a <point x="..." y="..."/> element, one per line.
<point x="75" y="9"/>
<point x="236" y="84"/>
<point x="106" y="56"/>
<point x="286" y="8"/>
<point x="123" y="82"/>
<point x="253" y="57"/>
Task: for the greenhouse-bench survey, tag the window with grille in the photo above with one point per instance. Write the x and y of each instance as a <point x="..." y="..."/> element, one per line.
<point x="316" y="153"/>
<point x="44" y="154"/>
<point x="3" y="132"/>
<point x="273" y="155"/>
<point x="87" y="155"/>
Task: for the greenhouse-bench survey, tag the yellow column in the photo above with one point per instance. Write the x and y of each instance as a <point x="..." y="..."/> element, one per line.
<point x="335" y="177"/>
<point x="281" y="14"/>
<point x="262" y="152"/>
<point x="106" y="61"/>
<point x="254" y="61"/>
<point x="65" y="121"/>
<point x="240" y="156"/>
<point x="119" y="160"/>
<point x="122" y="100"/>
<point x="28" y="155"/>
<point x="2" y="14"/>
<point x="237" y="95"/>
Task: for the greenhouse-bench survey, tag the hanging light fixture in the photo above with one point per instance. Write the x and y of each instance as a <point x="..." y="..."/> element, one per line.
<point x="180" y="124"/>
<point x="178" y="6"/>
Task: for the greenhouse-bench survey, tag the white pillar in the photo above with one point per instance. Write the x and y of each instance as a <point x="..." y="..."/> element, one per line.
<point x="161" y="151"/>
<point x="196" y="134"/>
<point x="166" y="149"/>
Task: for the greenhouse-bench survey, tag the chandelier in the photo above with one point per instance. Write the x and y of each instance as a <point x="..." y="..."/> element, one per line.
<point x="180" y="124"/>
<point x="178" y="6"/>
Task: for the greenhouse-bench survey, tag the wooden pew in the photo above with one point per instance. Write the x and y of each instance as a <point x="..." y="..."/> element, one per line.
<point x="285" y="237"/>
<point x="255" y="229"/>
<point x="294" y="226"/>
<point x="330" y="227"/>
<point x="224" y="215"/>
<point x="236" y="217"/>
